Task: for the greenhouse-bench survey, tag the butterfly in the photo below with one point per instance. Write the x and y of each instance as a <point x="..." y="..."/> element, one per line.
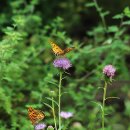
<point x="35" y="115"/>
<point x="57" y="50"/>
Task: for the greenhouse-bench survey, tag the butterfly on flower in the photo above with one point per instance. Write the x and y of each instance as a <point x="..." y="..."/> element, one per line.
<point x="35" y="115"/>
<point x="57" y="50"/>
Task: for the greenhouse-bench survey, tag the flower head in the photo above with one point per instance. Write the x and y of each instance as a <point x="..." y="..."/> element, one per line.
<point x="50" y="128"/>
<point x="109" y="70"/>
<point x="62" y="63"/>
<point x="66" y="115"/>
<point x="40" y="126"/>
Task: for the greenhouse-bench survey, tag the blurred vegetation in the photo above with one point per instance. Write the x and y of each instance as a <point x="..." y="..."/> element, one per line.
<point x="99" y="30"/>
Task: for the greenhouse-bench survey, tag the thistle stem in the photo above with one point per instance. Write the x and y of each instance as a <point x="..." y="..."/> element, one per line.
<point x="60" y="99"/>
<point x="54" y="115"/>
<point x="103" y="104"/>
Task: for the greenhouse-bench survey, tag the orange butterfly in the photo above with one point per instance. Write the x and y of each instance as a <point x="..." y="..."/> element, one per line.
<point x="35" y="115"/>
<point x="57" y="50"/>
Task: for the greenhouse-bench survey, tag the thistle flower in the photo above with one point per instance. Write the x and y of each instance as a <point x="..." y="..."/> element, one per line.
<point x="62" y="63"/>
<point x="40" y="126"/>
<point x="66" y="115"/>
<point x="109" y="71"/>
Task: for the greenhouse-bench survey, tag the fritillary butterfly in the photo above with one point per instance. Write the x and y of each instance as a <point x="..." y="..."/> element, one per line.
<point x="35" y="115"/>
<point x="57" y="50"/>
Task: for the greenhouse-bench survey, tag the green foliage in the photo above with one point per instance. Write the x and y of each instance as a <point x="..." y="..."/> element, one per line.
<point x="26" y="72"/>
<point x="127" y="12"/>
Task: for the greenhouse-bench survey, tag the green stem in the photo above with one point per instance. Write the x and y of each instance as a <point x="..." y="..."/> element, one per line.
<point x="100" y="14"/>
<point x="103" y="104"/>
<point x="60" y="99"/>
<point x="53" y="111"/>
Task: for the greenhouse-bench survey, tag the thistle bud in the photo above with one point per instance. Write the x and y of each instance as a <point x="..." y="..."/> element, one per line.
<point x="50" y="128"/>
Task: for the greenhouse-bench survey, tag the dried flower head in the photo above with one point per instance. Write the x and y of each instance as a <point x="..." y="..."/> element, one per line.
<point x="62" y="63"/>
<point x="50" y="128"/>
<point x="109" y="71"/>
<point x="40" y="126"/>
<point x="66" y="115"/>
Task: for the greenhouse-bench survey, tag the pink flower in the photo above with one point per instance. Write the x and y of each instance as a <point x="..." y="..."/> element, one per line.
<point x="62" y="63"/>
<point x="109" y="70"/>
<point x="40" y="126"/>
<point x="66" y="115"/>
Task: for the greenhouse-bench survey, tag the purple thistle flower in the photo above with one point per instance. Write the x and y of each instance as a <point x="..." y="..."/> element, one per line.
<point x="62" y="63"/>
<point x="109" y="71"/>
<point x="40" y="126"/>
<point x="66" y="115"/>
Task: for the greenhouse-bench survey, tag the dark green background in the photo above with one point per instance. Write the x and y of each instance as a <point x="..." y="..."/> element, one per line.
<point x="26" y="61"/>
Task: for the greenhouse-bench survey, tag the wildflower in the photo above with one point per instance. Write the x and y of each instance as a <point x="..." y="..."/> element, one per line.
<point x="66" y="115"/>
<point x="62" y="63"/>
<point x="109" y="71"/>
<point x="50" y="128"/>
<point x="40" y="126"/>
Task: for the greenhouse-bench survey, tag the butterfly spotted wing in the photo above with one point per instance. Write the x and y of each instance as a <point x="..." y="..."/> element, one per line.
<point x="57" y="50"/>
<point x="68" y="49"/>
<point x="35" y="115"/>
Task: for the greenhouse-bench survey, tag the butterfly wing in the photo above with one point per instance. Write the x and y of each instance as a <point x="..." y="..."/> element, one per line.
<point x="35" y="115"/>
<point x="32" y="115"/>
<point x="68" y="49"/>
<point x="56" y="49"/>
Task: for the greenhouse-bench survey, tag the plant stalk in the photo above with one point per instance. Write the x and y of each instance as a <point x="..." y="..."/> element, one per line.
<point x="60" y="99"/>
<point x="101" y="16"/>
<point x="103" y="104"/>
<point x="54" y="115"/>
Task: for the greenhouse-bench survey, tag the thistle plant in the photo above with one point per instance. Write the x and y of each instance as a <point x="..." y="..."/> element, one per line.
<point x="109" y="73"/>
<point x="66" y="116"/>
<point x="62" y="64"/>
